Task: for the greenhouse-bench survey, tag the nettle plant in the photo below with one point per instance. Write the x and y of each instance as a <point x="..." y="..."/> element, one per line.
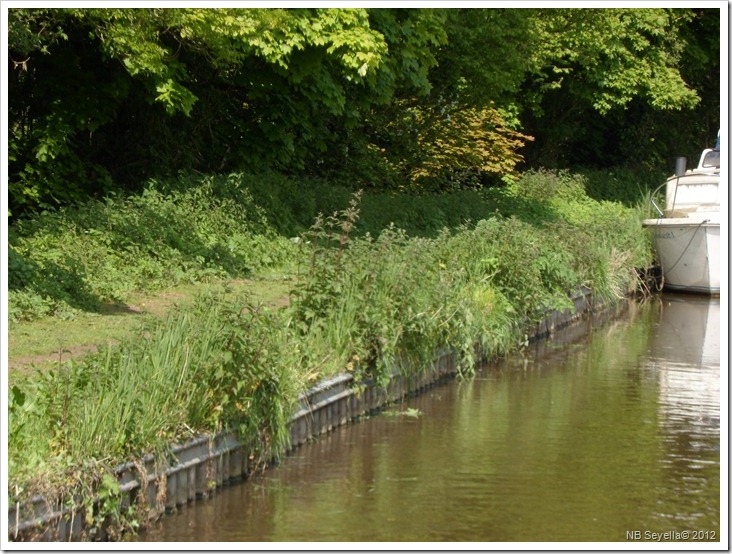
<point x="388" y="303"/>
<point x="320" y="286"/>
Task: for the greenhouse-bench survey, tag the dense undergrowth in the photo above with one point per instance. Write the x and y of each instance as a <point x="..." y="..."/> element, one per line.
<point x="83" y="257"/>
<point x="199" y="229"/>
<point x="470" y="267"/>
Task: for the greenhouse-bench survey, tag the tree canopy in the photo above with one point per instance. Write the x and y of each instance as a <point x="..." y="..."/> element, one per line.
<point x="101" y="99"/>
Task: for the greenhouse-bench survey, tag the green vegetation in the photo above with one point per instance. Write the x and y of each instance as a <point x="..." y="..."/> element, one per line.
<point x="95" y="255"/>
<point x="102" y="100"/>
<point x="621" y="184"/>
<point x="98" y="257"/>
<point x="44" y="343"/>
<point x="193" y="151"/>
<point x="359" y="302"/>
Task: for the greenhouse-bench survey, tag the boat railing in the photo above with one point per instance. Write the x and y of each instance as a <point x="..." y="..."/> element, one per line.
<point x="689" y="193"/>
<point x="653" y="200"/>
<point x="709" y="165"/>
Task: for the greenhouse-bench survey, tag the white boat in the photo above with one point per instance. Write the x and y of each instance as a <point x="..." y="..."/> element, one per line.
<point x="686" y="233"/>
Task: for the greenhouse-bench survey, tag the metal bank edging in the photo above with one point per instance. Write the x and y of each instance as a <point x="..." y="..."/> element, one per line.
<point x="197" y="468"/>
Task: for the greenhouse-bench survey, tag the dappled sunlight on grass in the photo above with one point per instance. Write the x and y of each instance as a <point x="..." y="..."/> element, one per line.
<point x="45" y="342"/>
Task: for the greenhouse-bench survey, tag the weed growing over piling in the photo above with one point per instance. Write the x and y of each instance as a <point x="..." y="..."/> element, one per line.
<point x="371" y="304"/>
<point x="214" y="366"/>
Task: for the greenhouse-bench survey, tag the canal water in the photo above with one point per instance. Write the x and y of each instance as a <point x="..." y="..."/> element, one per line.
<point x="613" y="436"/>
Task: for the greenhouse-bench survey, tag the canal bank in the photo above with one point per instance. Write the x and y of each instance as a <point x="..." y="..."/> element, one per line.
<point x="608" y="433"/>
<point x="197" y="469"/>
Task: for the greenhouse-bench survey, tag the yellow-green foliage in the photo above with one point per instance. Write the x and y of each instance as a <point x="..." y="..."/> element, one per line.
<point x="462" y="140"/>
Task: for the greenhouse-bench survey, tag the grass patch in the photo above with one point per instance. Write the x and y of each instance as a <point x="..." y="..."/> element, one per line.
<point x="87" y="258"/>
<point x="46" y="342"/>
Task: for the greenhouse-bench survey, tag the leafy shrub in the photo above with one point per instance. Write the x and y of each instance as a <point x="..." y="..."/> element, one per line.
<point x="80" y="258"/>
<point x="621" y="185"/>
<point x="553" y="185"/>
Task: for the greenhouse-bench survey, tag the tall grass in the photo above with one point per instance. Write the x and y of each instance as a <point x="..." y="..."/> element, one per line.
<point x="381" y="301"/>
<point x="197" y="229"/>
<point x="366" y="303"/>
<point x="215" y="366"/>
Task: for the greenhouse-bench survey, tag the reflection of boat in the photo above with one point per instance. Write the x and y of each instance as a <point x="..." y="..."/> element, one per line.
<point x="689" y="331"/>
<point x="686" y="352"/>
<point x="686" y="234"/>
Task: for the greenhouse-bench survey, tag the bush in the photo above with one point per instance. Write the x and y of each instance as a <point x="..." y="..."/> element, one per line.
<point x="621" y="185"/>
<point x="80" y="258"/>
<point x="202" y="228"/>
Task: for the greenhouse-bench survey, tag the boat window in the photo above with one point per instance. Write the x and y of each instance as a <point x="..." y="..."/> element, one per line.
<point x="711" y="159"/>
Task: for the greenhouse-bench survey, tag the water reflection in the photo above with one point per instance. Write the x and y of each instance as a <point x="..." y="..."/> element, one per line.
<point x="686" y="353"/>
<point x="580" y="441"/>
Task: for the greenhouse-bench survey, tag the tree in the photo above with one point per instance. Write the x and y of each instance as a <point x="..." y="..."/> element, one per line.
<point x="82" y="78"/>
<point x="105" y="98"/>
<point x="487" y="56"/>
<point x="596" y="72"/>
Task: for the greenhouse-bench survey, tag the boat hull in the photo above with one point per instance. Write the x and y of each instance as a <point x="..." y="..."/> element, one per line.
<point x="688" y="252"/>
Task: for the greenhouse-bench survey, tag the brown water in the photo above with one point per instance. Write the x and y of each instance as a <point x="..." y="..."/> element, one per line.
<point x="608" y="438"/>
